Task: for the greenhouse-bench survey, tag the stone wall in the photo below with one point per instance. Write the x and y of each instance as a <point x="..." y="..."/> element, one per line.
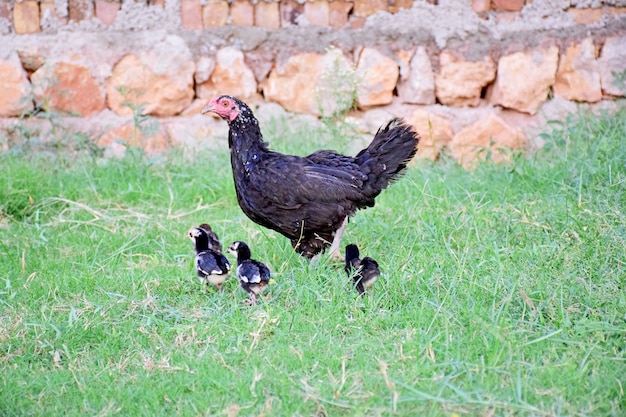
<point x="470" y="75"/>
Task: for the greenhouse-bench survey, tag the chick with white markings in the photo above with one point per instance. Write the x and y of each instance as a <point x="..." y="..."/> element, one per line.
<point x="363" y="272"/>
<point x="211" y="265"/>
<point x="214" y="242"/>
<point x="253" y="275"/>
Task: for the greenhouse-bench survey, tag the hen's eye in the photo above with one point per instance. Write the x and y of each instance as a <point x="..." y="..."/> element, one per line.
<point x="225" y="103"/>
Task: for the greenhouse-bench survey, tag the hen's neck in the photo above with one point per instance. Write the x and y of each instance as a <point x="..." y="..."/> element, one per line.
<point x="246" y="143"/>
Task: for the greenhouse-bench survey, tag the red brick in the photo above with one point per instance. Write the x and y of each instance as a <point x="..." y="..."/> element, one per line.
<point x="26" y="17"/>
<point x="191" y="14"/>
<point x="242" y="13"/>
<point x="339" y="10"/>
<point x="364" y="8"/>
<point x="159" y="3"/>
<point x="317" y="12"/>
<point x="508" y="5"/>
<point x="481" y="6"/>
<point x="5" y="10"/>
<point x="106" y="11"/>
<point x="266" y="15"/>
<point x="215" y="13"/>
<point x="290" y="10"/>
<point x="80" y="10"/>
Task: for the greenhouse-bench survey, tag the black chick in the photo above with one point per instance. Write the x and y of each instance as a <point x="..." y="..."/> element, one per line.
<point x="253" y="275"/>
<point x="363" y="271"/>
<point x="214" y="242"/>
<point x="211" y="266"/>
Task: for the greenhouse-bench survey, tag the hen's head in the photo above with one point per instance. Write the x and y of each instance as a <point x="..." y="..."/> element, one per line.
<point x="228" y="108"/>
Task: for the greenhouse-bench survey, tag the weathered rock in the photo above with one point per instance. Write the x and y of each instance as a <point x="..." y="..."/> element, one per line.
<point x="312" y="83"/>
<point x="459" y="82"/>
<point x="377" y="75"/>
<point x="67" y="87"/>
<point x="231" y="74"/>
<point x="524" y="79"/>
<point x="290" y="12"/>
<point x="578" y="76"/>
<point x="204" y="69"/>
<point x="480" y="6"/>
<point x="149" y="136"/>
<point x="489" y="138"/>
<point x="15" y="98"/>
<point x="158" y="81"/>
<point x="419" y="86"/>
<point x="612" y="63"/>
<point x="435" y="132"/>
<point x="26" y="17"/>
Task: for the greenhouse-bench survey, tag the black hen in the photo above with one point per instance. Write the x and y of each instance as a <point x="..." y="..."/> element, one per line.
<point x="363" y="271"/>
<point x="211" y="266"/>
<point x="253" y="275"/>
<point x="309" y="199"/>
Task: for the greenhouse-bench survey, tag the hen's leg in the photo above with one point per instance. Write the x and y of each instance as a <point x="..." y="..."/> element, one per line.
<point x="333" y="252"/>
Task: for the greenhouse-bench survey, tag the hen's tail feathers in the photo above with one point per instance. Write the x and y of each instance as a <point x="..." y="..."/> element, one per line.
<point x="385" y="159"/>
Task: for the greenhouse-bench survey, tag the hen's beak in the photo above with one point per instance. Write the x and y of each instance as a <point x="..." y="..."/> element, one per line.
<point x="208" y="108"/>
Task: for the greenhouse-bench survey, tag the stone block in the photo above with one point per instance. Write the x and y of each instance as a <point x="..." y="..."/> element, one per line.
<point x="231" y="75"/>
<point x="67" y="87"/>
<point x="15" y="98"/>
<point x="435" y="132"/>
<point x="481" y="6"/>
<point x="490" y="138"/>
<point x="524" y="79"/>
<point x="158" y="81"/>
<point x="612" y="65"/>
<point x="419" y="85"/>
<point x="377" y="76"/>
<point x="578" y="75"/>
<point x="460" y="82"/>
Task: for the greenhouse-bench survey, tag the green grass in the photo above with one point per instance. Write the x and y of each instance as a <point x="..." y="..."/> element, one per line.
<point x="503" y="291"/>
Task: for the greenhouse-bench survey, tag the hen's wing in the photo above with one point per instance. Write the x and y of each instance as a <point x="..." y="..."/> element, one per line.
<point x="322" y="177"/>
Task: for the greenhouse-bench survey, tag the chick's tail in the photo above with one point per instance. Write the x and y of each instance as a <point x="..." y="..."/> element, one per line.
<point x="385" y="159"/>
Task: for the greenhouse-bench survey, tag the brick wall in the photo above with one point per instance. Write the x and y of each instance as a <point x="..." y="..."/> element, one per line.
<point x="485" y="70"/>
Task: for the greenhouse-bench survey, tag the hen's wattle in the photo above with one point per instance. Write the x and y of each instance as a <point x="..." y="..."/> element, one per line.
<point x="309" y="199"/>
